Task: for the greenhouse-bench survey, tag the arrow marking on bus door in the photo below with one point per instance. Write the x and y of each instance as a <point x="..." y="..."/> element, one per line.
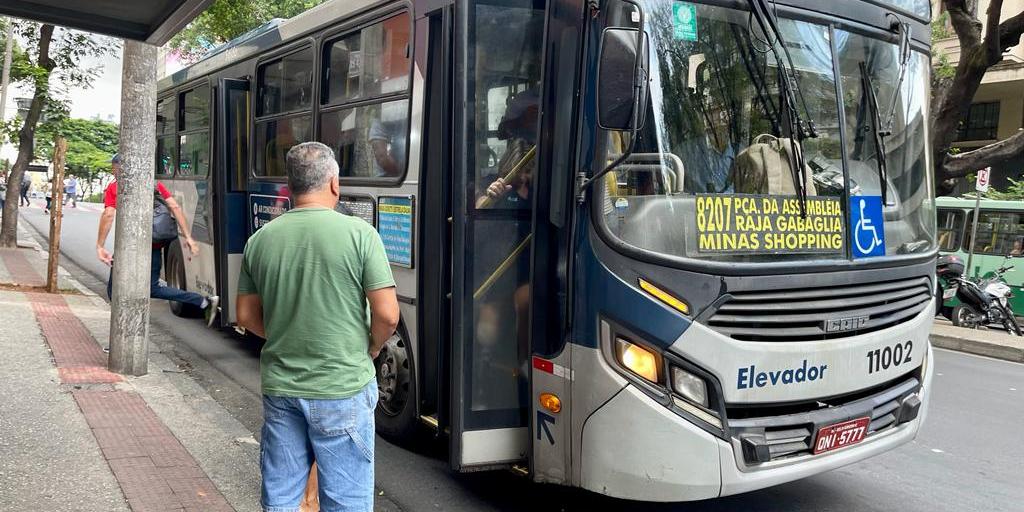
<point x="542" y="426"/>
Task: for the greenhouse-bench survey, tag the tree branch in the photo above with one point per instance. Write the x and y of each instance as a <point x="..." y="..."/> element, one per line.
<point x="991" y="43"/>
<point x="1010" y="32"/>
<point x="966" y="26"/>
<point x="957" y="166"/>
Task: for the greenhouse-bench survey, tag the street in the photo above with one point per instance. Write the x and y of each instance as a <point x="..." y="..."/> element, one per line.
<point x="967" y="456"/>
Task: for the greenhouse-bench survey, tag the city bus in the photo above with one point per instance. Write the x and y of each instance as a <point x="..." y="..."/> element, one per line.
<point x="1000" y="235"/>
<point x="659" y="250"/>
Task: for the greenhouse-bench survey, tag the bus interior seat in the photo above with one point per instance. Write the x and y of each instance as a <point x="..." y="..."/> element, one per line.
<point x="764" y="168"/>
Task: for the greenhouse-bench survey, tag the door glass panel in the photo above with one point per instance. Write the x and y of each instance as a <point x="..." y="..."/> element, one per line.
<point x="237" y="138"/>
<point x="502" y="89"/>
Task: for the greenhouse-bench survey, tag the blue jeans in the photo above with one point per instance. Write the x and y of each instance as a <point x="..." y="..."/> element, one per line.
<point x="157" y="290"/>
<point x="338" y="434"/>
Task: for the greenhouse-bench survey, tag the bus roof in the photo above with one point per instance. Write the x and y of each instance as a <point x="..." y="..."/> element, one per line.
<point x="968" y="203"/>
<point x="268" y="36"/>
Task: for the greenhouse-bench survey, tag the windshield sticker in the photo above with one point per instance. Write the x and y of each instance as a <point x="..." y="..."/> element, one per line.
<point x="867" y="226"/>
<point x="684" y="21"/>
<point x="752" y="224"/>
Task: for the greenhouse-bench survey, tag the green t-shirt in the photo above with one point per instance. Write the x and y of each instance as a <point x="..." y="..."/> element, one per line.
<point x="311" y="268"/>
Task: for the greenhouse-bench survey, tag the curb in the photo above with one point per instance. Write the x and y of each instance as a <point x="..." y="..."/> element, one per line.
<point x="977" y="347"/>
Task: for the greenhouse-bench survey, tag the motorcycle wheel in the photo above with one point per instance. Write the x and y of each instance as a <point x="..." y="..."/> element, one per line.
<point x="961" y="317"/>
<point x="1010" y="322"/>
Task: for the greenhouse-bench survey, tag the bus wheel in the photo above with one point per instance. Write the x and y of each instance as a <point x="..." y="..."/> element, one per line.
<point x="396" y="407"/>
<point x="174" y="272"/>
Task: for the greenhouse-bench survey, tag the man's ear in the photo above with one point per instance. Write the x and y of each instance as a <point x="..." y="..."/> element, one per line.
<point x="335" y="186"/>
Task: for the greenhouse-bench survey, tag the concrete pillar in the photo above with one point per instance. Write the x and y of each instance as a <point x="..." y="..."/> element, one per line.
<point x="129" y="307"/>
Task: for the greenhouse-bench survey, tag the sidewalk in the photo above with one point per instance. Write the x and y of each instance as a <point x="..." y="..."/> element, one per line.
<point x="76" y="437"/>
<point x="983" y="342"/>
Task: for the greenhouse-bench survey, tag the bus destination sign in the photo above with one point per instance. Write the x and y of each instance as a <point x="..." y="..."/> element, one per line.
<point x="753" y="224"/>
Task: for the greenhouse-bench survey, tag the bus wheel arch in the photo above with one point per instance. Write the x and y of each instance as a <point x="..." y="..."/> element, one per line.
<point x="174" y="274"/>
<point x="396" y="412"/>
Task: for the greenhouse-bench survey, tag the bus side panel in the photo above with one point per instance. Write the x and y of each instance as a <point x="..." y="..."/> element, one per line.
<point x="194" y="198"/>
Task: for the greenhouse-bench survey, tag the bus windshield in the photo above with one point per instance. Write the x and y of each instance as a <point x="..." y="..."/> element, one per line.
<point x="712" y="175"/>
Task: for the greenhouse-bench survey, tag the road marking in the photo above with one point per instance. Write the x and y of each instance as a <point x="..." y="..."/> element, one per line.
<point x="936" y="450"/>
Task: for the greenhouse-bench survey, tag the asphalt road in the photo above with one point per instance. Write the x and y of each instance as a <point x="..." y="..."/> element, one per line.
<point x="967" y="456"/>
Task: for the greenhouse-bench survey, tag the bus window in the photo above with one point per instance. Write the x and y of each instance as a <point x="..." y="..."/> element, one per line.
<point x="373" y="64"/>
<point x="284" y="86"/>
<point x="166" y="138"/>
<point x="194" y="138"/>
<point x="951" y="227"/>
<point x="999" y="233"/>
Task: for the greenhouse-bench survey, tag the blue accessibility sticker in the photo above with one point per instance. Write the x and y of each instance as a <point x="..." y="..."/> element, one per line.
<point x="867" y="226"/>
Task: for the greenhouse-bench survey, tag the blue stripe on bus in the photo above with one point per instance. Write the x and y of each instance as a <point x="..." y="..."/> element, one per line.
<point x="605" y="295"/>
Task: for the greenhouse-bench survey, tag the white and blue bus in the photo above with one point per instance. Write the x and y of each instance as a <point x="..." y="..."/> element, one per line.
<point x="706" y="263"/>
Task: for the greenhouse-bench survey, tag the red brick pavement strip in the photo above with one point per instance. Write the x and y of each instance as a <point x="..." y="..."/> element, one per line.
<point x="154" y="470"/>
<point x="20" y="269"/>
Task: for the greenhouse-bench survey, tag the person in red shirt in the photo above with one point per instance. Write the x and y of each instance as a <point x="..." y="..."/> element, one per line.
<point x="157" y="289"/>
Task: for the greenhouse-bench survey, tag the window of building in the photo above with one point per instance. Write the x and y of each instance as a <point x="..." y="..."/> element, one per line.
<point x="951" y="228"/>
<point x="981" y="122"/>
<point x="365" y="98"/>
<point x="284" y="116"/>
<point x="999" y="233"/>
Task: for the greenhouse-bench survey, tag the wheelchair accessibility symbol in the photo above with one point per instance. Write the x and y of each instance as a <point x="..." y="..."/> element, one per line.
<point x="868" y="224"/>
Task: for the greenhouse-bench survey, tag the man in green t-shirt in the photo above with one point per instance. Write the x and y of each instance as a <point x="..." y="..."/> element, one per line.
<point x="318" y="286"/>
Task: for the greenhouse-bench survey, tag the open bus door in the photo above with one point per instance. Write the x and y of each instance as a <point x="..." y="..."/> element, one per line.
<point x="230" y="183"/>
<point x="498" y="48"/>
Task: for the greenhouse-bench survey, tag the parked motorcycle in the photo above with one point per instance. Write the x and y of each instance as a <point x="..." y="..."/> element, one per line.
<point x="983" y="302"/>
<point x="948" y="269"/>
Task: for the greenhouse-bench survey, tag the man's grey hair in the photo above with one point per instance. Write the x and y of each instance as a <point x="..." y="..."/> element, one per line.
<point x="310" y="166"/>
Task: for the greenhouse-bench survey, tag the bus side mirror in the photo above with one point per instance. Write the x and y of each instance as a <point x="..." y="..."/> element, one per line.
<point x="616" y="79"/>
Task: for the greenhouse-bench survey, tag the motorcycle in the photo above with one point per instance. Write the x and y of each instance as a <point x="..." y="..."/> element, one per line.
<point x="948" y="268"/>
<point x="983" y="302"/>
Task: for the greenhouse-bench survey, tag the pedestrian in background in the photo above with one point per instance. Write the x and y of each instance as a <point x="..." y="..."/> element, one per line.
<point x="71" y="191"/>
<point x="26" y="184"/>
<point x="157" y="289"/>
<point x="306" y="280"/>
<point x="49" y="195"/>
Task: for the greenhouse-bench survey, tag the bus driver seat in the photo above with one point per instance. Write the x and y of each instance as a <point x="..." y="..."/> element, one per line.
<point x="764" y="168"/>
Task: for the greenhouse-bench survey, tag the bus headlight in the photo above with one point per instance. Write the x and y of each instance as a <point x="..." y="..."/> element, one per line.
<point x="690" y="386"/>
<point x="638" y="360"/>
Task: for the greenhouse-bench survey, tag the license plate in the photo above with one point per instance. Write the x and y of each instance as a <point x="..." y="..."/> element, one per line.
<point x="842" y="434"/>
<point x="948" y="293"/>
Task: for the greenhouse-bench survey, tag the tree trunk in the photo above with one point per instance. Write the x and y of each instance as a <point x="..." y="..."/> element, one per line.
<point x="26" y="141"/>
<point x="129" y="313"/>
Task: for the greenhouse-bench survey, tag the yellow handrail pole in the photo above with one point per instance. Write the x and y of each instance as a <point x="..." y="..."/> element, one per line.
<point x="500" y="271"/>
<point x="486" y="201"/>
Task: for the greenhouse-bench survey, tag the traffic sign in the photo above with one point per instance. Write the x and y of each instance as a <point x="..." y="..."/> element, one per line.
<point x="981" y="185"/>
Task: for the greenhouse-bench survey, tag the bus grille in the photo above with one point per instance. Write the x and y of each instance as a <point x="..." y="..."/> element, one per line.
<point x="791" y="434"/>
<point x="821" y="313"/>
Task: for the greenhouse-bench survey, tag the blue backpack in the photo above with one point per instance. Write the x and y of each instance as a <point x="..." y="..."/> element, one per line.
<point x="165" y="228"/>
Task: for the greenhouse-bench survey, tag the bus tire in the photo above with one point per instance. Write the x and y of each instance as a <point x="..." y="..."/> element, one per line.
<point x="174" y="273"/>
<point x="396" y="384"/>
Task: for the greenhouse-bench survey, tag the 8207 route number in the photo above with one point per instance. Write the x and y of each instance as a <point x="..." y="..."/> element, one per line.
<point x="884" y="358"/>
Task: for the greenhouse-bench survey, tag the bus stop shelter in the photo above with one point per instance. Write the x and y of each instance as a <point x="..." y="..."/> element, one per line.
<point x="150" y="21"/>
<point x="143" y="25"/>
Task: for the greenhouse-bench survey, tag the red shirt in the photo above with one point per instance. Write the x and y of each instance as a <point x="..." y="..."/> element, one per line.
<point x="110" y="198"/>
<point x="110" y="194"/>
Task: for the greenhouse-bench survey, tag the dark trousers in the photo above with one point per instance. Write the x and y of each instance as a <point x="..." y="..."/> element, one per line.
<point x="158" y="290"/>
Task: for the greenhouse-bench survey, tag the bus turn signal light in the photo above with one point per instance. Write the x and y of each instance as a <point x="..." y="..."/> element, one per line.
<point x="665" y="297"/>
<point x="550" y="402"/>
<point x="637" y="359"/>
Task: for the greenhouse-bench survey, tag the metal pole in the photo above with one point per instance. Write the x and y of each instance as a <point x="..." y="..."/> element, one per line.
<point x="6" y="79"/>
<point x="60" y="149"/>
<point x="974" y="232"/>
<point x="129" y="311"/>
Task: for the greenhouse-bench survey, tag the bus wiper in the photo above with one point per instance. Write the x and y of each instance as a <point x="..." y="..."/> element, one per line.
<point x="876" y="129"/>
<point x="791" y="97"/>
<point x="903" y="30"/>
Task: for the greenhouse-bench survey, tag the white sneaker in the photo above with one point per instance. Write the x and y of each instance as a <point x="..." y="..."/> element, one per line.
<point x="210" y="313"/>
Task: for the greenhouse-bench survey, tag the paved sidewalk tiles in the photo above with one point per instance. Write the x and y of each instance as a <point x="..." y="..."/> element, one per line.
<point x="151" y="466"/>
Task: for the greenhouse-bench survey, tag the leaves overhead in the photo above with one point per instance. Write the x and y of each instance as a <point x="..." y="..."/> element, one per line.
<point x="225" y="20"/>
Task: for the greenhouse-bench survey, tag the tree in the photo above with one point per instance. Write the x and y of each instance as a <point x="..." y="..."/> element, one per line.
<point x="225" y="20"/>
<point x="981" y="47"/>
<point x="53" y="65"/>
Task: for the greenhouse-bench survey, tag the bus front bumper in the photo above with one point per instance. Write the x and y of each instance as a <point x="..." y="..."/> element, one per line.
<point x="635" y="448"/>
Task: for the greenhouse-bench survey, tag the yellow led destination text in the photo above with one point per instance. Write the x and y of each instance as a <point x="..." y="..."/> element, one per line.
<point x="768" y="224"/>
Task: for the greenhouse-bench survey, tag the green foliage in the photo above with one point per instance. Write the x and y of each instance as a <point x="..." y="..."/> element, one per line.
<point x="91" y="144"/>
<point x="1014" y="192"/>
<point x="940" y="27"/>
<point x="225" y="20"/>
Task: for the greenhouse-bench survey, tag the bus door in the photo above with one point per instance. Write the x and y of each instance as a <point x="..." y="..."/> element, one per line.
<point x="497" y="48"/>
<point x="230" y="184"/>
